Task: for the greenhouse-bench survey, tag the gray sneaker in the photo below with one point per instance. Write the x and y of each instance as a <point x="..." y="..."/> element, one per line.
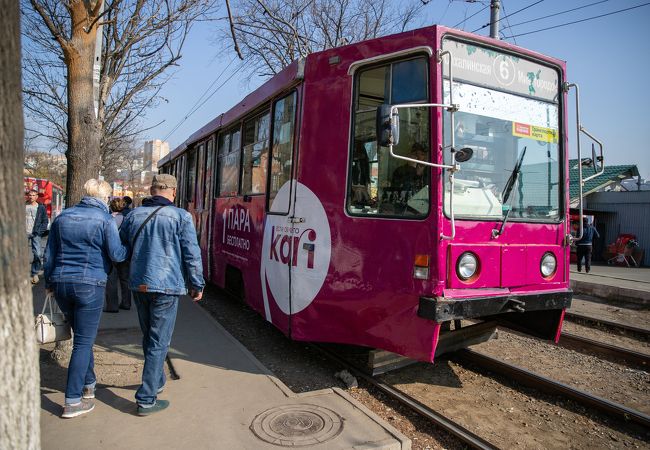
<point x="88" y="392"/>
<point x="83" y="407"/>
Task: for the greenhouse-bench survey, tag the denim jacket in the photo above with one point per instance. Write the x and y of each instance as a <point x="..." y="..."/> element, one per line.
<point x="588" y="234"/>
<point x="165" y="257"/>
<point x="82" y="243"/>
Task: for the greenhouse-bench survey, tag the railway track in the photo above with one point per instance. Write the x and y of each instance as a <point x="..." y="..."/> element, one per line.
<point x="573" y="341"/>
<point x="576" y="317"/>
<point x="552" y="387"/>
<point x="453" y="428"/>
<point x="518" y="374"/>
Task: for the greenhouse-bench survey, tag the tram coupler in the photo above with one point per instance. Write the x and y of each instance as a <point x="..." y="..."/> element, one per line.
<point x="516" y="305"/>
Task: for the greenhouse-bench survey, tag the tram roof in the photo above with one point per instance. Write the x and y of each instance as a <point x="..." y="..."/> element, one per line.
<point x="280" y="81"/>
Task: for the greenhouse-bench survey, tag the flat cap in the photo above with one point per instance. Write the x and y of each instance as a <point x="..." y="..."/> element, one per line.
<point x="164" y="181"/>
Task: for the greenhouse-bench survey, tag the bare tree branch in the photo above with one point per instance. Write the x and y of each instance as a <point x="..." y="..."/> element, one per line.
<point x="270" y="34"/>
<point x="142" y="40"/>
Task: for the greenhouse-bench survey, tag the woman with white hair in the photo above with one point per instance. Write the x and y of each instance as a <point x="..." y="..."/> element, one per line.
<point x="83" y="242"/>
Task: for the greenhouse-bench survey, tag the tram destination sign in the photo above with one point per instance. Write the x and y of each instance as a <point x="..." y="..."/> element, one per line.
<point x="490" y="68"/>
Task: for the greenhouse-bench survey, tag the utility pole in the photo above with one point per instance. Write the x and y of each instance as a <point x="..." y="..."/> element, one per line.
<point x="495" y="6"/>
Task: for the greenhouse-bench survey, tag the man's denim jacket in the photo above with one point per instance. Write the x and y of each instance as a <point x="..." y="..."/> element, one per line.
<point x="166" y="257"/>
<point x="83" y="241"/>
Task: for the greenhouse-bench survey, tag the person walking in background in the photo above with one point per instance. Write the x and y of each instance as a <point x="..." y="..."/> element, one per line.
<point x="584" y="245"/>
<point x="118" y="294"/>
<point x="128" y="201"/>
<point x="36" y="227"/>
<point x="83" y="241"/>
<point x="165" y="264"/>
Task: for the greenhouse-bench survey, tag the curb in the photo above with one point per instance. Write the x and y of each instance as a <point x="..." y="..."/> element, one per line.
<point x="613" y="293"/>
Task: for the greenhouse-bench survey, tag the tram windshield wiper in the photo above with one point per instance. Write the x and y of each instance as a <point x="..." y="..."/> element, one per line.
<point x="510" y="185"/>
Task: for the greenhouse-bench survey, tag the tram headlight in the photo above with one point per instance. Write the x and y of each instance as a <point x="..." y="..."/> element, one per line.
<point x="466" y="266"/>
<point x="548" y="264"/>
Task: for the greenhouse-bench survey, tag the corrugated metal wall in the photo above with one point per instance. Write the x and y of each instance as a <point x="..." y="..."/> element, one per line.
<point x="631" y="215"/>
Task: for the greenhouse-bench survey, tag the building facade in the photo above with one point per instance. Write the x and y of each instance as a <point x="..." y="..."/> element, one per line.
<point x="153" y="152"/>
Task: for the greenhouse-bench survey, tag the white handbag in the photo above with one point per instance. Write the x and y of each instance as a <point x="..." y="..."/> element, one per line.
<point x="51" y="324"/>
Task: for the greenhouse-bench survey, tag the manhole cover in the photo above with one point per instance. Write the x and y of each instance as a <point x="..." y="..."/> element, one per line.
<point x="297" y="425"/>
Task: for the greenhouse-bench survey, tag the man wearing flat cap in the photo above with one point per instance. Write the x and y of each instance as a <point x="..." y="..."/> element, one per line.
<point x="165" y="264"/>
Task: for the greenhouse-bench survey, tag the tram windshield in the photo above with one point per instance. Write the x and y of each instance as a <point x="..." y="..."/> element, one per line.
<point x="509" y="116"/>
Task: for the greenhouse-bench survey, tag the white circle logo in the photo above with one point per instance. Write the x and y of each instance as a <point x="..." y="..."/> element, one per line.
<point x="504" y="70"/>
<point x="296" y="250"/>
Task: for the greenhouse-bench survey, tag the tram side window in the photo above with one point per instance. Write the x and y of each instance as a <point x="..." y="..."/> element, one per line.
<point x="379" y="184"/>
<point x="209" y="170"/>
<point x="284" y="115"/>
<point x="229" y="157"/>
<point x="191" y="176"/>
<point x="256" y="150"/>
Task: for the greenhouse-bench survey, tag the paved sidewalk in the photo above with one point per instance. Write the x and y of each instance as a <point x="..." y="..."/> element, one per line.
<point x="629" y="284"/>
<point x="221" y="391"/>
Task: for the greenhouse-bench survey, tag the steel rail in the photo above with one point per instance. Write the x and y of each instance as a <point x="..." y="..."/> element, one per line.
<point x="573" y="340"/>
<point x="576" y="316"/>
<point x="541" y="383"/>
<point x="448" y="425"/>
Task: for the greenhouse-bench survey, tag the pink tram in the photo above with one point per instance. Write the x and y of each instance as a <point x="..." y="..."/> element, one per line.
<point x="398" y="193"/>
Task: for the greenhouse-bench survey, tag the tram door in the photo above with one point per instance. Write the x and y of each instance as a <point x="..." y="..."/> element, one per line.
<point x="208" y="206"/>
<point x="280" y="231"/>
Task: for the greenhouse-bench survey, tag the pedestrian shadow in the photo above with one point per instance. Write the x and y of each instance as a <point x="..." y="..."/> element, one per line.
<point x="48" y="405"/>
<point x="106" y="395"/>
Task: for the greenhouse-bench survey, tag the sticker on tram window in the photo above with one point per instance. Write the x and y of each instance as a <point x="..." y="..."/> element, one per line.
<point x="534" y="132"/>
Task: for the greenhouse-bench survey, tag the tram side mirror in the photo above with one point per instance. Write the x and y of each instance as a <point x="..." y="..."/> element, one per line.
<point x="387" y="126"/>
<point x="597" y="160"/>
<point x="464" y="154"/>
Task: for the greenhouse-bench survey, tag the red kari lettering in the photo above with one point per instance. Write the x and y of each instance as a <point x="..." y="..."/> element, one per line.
<point x="285" y="248"/>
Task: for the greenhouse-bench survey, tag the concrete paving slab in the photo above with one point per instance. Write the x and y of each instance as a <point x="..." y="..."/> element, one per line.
<point x="625" y="284"/>
<point x="222" y="389"/>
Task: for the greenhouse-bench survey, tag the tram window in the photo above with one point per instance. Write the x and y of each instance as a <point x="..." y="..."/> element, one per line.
<point x="379" y="184"/>
<point x="229" y="157"/>
<point x="191" y="176"/>
<point x="256" y="150"/>
<point x="200" y="181"/>
<point x="209" y="170"/>
<point x="284" y="114"/>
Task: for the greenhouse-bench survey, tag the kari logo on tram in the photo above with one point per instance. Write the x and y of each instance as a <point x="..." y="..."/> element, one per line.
<point x="301" y="244"/>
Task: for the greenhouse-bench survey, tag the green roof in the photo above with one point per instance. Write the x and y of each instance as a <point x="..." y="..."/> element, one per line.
<point x="612" y="174"/>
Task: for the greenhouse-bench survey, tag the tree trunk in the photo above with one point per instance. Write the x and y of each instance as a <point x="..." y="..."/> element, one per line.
<point x="84" y="131"/>
<point x="19" y="396"/>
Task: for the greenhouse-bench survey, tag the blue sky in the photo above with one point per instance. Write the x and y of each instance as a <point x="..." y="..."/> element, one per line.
<point x="608" y="57"/>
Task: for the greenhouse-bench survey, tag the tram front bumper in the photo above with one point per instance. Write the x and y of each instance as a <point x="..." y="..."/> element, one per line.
<point x="442" y="309"/>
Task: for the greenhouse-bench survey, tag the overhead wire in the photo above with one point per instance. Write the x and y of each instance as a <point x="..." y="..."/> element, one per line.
<point x="503" y="4"/>
<point x="510" y="15"/>
<point x="467" y="18"/>
<point x="579" y="21"/>
<point x="196" y="106"/>
<point x="559" y="13"/>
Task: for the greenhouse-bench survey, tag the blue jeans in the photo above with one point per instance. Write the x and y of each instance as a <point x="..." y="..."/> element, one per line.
<point x="82" y="306"/>
<point x="35" y="244"/>
<point x="157" y="314"/>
